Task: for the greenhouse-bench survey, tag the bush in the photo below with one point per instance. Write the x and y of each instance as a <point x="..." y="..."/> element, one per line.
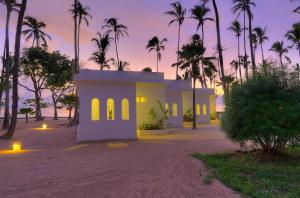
<point x="264" y="110"/>
<point x="188" y="116"/>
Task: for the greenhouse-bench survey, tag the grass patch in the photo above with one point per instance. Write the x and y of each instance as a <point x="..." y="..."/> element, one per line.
<point x="254" y="174"/>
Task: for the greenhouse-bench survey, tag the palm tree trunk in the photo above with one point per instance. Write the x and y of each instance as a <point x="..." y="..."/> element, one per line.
<point x="219" y="46"/>
<point x="117" y="49"/>
<point x="203" y="72"/>
<point x="78" y="46"/>
<point x="157" y="55"/>
<point x="178" y="46"/>
<point x="5" y="123"/>
<point x="10" y="132"/>
<point x="194" y="104"/>
<point x="262" y="53"/>
<point x="75" y="37"/>
<point x="239" y="61"/>
<point x="251" y="42"/>
<point x="245" y="50"/>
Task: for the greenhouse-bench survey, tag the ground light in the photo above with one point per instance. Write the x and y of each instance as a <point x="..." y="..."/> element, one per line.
<point x="44" y="126"/>
<point x="17" y="147"/>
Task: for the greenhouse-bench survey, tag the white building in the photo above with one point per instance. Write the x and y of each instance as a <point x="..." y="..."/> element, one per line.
<point x="113" y="104"/>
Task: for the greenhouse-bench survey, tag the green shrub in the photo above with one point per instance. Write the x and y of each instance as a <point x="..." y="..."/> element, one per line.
<point x="188" y="116"/>
<point x="264" y="110"/>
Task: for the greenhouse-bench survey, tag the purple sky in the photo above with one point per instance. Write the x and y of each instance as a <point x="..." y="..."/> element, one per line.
<point x="145" y="19"/>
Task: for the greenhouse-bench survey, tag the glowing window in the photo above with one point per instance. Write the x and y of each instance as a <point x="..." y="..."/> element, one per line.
<point x="125" y="109"/>
<point x="141" y="99"/>
<point x="174" y="110"/>
<point x="198" y="109"/>
<point x="204" y="109"/>
<point x="138" y="99"/>
<point x="167" y="109"/>
<point x="110" y="109"/>
<point x="95" y="109"/>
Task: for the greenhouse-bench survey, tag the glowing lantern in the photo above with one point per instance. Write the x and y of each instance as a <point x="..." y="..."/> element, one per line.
<point x="17" y="146"/>
<point x="44" y="126"/>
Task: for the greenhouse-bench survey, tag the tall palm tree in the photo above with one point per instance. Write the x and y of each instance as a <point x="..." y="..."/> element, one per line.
<point x="83" y="16"/>
<point x="244" y="7"/>
<point x="191" y="55"/>
<point x="237" y="29"/>
<point x="255" y="43"/>
<point x="199" y="13"/>
<point x="11" y="5"/>
<point x="294" y="36"/>
<point x="178" y="14"/>
<point x="99" y="56"/>
<point x="261" y="34"/>
<point x="74" y="12"/>
<point x="119" y="30"/>
<point x="279" y="48"/>
<point x="219" y="46"/>
<point x="158" y="45"/>
<point x="235" y="65"/>
<point x="35" y="31"/>
<point x="15" y="71"/>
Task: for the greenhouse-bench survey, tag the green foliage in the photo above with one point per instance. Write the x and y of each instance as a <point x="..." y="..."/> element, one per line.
<point x="156" y="120"/>
<point x="25" y="111"/>
<point x="256" y="175"/>
<point x="264" y="110"/>
<point x="68" y="101"/>
<point x="188" y="116"/>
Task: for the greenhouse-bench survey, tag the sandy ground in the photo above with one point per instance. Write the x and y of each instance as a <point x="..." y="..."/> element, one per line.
<point x="154" y="166"/>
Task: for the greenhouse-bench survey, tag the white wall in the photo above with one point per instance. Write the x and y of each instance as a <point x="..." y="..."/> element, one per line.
<point x="106" y="129"/>
<point x="177" y="121"/>
<point x="152" y="92"/>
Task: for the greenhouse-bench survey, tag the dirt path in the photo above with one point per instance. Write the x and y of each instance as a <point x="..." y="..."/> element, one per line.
<point x="156" y="166"/>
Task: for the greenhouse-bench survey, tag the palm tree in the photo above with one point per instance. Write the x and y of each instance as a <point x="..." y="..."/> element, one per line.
<point x="11" y="5"/>
<point x="294" y="36"/>
<point x="262" y="37"/>
<point x="235" y="65"/>
<point x="219" y="46"/>
<point x="122" y="65"/>
<point x="237" y="29"/>
<point x="83" y="15"/>
<point x="112" y="26"/>
<point x="74" y="13"/>
<point x="255" y="43"/>
<point x="297" y="10"/>
<point x="278" y="47"/>
<point x="190" y="56"/>
<point x="199" y="13"/>
<point x="35" y="31"/>
<point x="99" y="56"/>
<point x="178" y="14"/>
<point x="158" y="45"/>
<point x="244" y="6"/>
<point x="15" y="71"/>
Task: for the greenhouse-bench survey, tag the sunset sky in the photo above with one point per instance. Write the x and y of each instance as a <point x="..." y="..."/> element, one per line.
<point x="145" y="19"/>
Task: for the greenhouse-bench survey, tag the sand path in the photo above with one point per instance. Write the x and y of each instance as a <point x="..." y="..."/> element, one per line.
<point x="156" y="166"/>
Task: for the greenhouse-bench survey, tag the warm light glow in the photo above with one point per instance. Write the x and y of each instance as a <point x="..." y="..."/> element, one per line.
<point x="44" y="126"/>
<point x="17" y="146"/>
<point x="110" y="111"/>
<point x="125" y="109"/>
<point x="204" y="109"/>
<point x="174" y="110"/>
<point x="167" y="109"/>
<point x="95" y="109"/>
<point x="141" y="99"/>
<point x="198" y="111"/>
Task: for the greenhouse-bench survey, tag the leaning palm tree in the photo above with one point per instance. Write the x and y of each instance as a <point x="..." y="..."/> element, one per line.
<point x="191" y="56"/>
<point x="219" y="47"/>
<point x="83" y="16"/>
<point x="279" y="48"/>
<point x="237" y="29"/>
<point x="262" y="37"/>
<point x="119" y="30"/>
<point x="294" y="36"/>
<point x="178" y="14"/>
<point x="244" y="7"/>
<point x="99" y="56"/>
<point x="35" y="31"/>
<point x="199" y="13"/>
<point x="158" y="45"/>
<point x="15" y="72"/>
<point x="11" y="5"/>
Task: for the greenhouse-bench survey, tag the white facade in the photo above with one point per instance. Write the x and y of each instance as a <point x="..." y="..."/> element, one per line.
<point x="113" y="105"/>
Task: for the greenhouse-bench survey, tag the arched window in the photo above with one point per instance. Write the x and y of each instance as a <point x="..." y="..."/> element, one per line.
<point x="95" y="109"/>
<point x="198" y="111"/>
<point x="174" y="110"/>
<point x="110" y="109"/>
<point x="167" y="109"/>
<point x="125" y="109"/>
<point x="204" y="109"/>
